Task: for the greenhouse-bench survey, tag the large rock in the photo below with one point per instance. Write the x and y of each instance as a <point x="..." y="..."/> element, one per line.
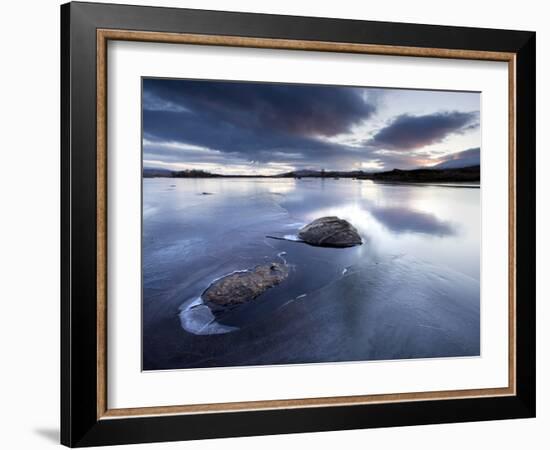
<point x="241" y="287"/>
<point x="330" y="232"/>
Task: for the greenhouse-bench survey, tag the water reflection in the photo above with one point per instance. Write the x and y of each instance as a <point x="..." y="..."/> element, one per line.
<point x="404" y="220"/>
<point x="411" y="290"/>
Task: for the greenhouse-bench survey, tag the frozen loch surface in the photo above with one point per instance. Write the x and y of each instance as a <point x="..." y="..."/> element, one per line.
<point x="410" y="291"/>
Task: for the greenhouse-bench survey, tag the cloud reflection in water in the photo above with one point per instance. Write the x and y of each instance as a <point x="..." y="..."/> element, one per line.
<point x="405" y="220"/>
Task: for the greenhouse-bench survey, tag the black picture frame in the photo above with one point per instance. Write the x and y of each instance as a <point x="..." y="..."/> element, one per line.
<point x="80" y="425"/>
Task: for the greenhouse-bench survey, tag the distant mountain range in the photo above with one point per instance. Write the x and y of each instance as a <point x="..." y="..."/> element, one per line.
<point x="165" y="173"/>
<point x="431" y="175"/>
<point x="466" y="158"/>
<point x="439" y="173"/>
<point x="156" y="173"/>
<point x="459" y="166"/>
<point x="323" y="174"/>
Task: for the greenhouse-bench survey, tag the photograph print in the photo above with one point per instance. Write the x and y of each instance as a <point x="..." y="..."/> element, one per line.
<point x="299" y="224"/>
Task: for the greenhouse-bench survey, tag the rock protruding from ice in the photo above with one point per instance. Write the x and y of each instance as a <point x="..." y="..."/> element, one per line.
<point x="241" y="287"/>
<point x="330" y="231"/>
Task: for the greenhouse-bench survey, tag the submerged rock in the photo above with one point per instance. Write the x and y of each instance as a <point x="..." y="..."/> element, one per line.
<point x="330" y="231"/>
<point x="241" y="287"/>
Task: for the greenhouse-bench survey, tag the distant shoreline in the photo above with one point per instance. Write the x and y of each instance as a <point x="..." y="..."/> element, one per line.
<point x="464" y="174"/>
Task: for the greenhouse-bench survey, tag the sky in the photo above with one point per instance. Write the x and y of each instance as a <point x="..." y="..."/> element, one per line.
<point x="249" y="128"/>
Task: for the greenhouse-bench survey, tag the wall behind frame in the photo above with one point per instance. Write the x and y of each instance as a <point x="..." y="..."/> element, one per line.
<point x="29" y="188"/>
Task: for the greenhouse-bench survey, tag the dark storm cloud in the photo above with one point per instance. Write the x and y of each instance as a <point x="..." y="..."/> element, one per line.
<point x="253" y="120"/>
<point x="253" y="142"/>
<point x="305" y="110"/>
<point x="221" y="124"/>
<point x="407" y="132"/>
<point x="317" y="155"/>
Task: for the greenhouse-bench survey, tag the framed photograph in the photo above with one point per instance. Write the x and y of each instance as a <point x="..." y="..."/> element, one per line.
<point x="276" y="224"/>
